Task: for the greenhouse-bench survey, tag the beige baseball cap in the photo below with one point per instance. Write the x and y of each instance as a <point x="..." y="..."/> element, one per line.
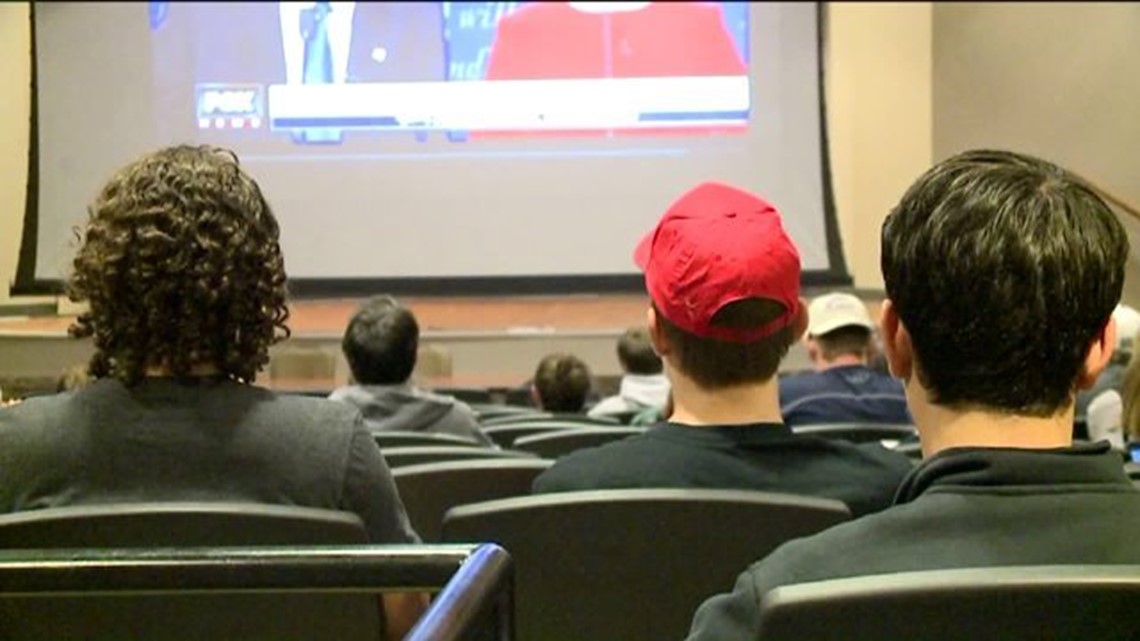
<point x="831" y="311"/>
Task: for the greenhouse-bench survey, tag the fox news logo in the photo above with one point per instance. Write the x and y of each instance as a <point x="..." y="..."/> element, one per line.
<point x="230" y="101"/>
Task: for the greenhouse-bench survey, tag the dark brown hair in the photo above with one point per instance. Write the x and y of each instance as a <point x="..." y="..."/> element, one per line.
<point x="849" y="339"/>
<point x="716" y="364"/>
<point x="180" y="265"/>
<point x="562" y="382"/>
<point x="635" y="352"/>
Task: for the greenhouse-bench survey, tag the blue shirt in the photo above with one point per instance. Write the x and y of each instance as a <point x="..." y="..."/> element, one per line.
<point x="845" y="394"/>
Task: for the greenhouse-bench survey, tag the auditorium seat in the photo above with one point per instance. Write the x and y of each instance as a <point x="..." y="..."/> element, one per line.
<point x="857" y="432"/>
<point x="168" y="525"/>
<point x="417" y="455"/>
<point x="412" y="439"/>
<point x="175" y="593"/>
<point x="430" y="489"/>
<point x="511" y="419"/>
<point x="487" y="411"/>
<point x="561" y="442"/>
<point x="466" y="394"/>
<point x="505" y="435"/>
<point x="1060" y="603"/>
<point x="632" y="565"/>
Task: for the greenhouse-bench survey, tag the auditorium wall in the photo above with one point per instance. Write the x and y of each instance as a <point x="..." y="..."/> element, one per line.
<point x="906" y="83"/>
<point x="1060" y="80"/>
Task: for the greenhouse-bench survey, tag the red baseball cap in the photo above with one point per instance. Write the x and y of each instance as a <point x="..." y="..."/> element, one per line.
<point x="715" y="245"/>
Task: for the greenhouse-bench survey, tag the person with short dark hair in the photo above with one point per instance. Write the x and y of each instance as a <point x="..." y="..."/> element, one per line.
<point x="381" y="343"/>
<point x="181" y="268"/>
<point x="1001" y="271"/>
<point x="643" y="383"/>
<point x="561" y="384"/>
<point x="843" y="388"/>
<point x="723" y="279"/>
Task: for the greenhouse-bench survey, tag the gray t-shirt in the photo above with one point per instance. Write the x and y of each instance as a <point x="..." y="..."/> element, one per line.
<point x="196" y="440"/>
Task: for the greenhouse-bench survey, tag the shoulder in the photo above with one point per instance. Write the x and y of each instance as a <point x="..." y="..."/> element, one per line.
<point x="795" y="385"/>
<point x="621" y="463"/>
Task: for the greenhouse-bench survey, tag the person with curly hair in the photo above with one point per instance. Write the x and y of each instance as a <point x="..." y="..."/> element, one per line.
<point x="181" y="268"/>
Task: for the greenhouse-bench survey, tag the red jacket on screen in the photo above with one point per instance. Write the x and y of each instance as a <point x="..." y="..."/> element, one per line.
<point x="554" y="40"/>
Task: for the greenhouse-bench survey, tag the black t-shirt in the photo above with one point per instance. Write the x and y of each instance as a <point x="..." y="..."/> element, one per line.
<point x="963" y="508"/>
<point x="765" y="457"/>
<point x="165" y="440"/>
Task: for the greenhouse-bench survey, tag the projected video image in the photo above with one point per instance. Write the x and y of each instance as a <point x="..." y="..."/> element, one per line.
<point x="316" y="72"/>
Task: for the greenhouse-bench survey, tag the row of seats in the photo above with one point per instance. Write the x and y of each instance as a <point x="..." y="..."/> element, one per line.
<point x="565" y="583"/>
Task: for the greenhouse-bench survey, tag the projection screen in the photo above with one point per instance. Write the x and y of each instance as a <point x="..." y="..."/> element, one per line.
<point x="443" y="140"/>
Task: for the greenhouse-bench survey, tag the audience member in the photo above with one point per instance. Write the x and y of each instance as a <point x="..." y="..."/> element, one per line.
<point x="181" y="267"/>
<point x="724" y="282"/>
<point x="643" y="383"/>
<point x="1101" y="406"/>
<point x="1114" y="415"/>
<point x="380" y="344"/>
<point x="843" y="388"/>
<point x="1001" y="273"/>
<point x="561" y="384"/>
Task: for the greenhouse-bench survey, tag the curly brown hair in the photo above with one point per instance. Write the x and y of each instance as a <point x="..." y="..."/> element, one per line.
<point x="181" y="266"/>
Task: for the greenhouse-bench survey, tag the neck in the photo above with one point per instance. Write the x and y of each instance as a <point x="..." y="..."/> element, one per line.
<point x="737" y="405"/>
<point x="842" y="360"/>
<point x="164" y="371"/>
<point x="942" y="428"/>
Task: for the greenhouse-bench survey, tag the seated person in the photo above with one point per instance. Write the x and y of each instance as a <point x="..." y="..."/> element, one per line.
<point x="181" y="268"/>
<point x="643" y="384"/>
<point x="1102" y="405"/>
<point x="724" y="279"/>
<point x="1001" y="273"/>
<point x="561" y="384"/>
<point x="380" y="344"/>
<point x="843" y="388"/>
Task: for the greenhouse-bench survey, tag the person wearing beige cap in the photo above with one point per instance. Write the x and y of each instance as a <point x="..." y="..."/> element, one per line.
<point x="843" y="388"/>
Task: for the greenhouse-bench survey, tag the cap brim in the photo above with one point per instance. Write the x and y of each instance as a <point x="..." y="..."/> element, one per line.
<point x="641" y="253"/>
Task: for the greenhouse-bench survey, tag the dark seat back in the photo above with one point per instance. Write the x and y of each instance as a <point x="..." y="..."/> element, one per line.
<point x="404" y="456"/>
<point x="466" y="394"/>
<point x="857" y="432"/>
<point x="431" y="489"/>
<point x="197" y="616"/>
<point x="413" y="439"/>
<point x="559" y="443"/>
<point x="81" y="592"/>
<point x="505" y="435"/>
<point x="632" y="564"/>
<point x="540" y="417"/>
<point x="1071" y="603"/>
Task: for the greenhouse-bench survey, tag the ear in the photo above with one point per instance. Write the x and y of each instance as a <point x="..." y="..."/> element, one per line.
<point x="656" y="334"/>
<point x="800" y="322"/>
<point x="813" y="350"/>
<point x="896" y="342"/>
<point x="1100" y="352"/>
<point x="534" y="397"/>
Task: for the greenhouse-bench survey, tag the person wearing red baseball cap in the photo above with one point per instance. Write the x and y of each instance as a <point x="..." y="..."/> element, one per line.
<point x="724" y="280"/>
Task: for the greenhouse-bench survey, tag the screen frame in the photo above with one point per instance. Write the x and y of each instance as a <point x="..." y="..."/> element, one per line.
<point x="837" y="275"/>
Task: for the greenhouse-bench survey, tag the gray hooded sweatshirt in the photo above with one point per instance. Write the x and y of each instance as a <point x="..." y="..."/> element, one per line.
<point x="404" y="408"/>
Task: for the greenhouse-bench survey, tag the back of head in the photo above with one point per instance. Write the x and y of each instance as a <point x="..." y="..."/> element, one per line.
<point x="1004" y="269"/>
<point x="840" y="326"/>
<point x="562" y="383"/>
<point x="635" y="352"/>
<point x="381" y="341"/>
<point x="724" y="279"/>
<point x="181" y="267"/>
